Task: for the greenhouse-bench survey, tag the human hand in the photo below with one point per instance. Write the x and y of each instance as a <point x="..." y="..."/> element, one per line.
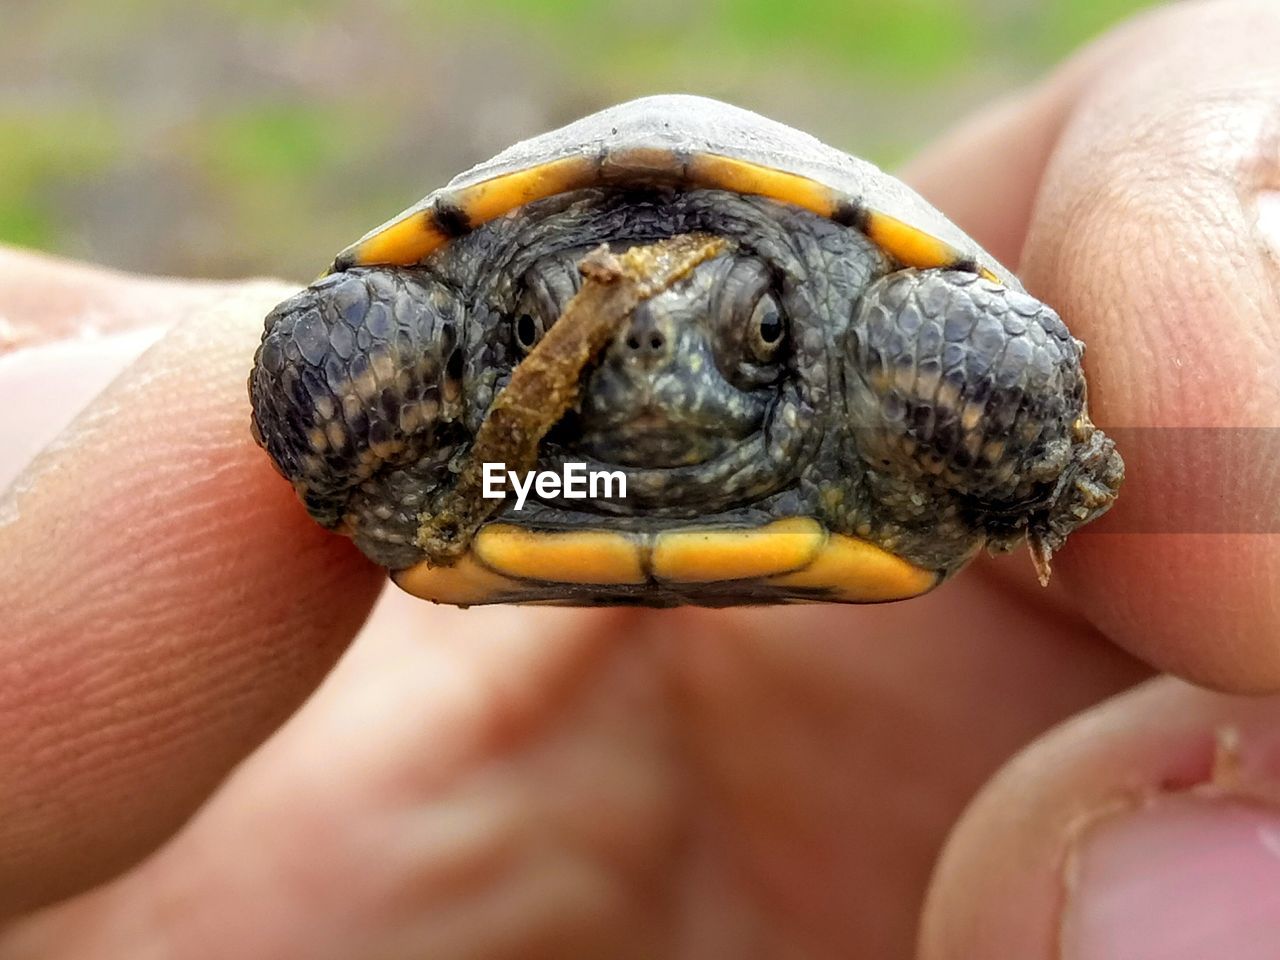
<point x="778" y="782"/>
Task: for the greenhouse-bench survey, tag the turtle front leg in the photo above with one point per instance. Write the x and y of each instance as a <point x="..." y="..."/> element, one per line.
<point x="357" y="396"/>
<point x="968" y="403"/>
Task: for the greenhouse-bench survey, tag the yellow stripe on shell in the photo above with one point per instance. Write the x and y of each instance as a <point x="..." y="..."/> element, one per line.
<point x="859" y="572"/>
<point x="412" y="239"/>
<point x="465" y="583"/>
<point x="909" y="245"/>
<point x="500" y="195"/>
<point x="795" y="553"/>
<point x="700" y="556"/>
<point x="562" y="556"/>
<point x="715" y="172"/>
<point x="415" y="237"/>
<point x="402" y="243"/>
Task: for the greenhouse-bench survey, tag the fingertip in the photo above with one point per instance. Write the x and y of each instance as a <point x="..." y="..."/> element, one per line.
<point x="170" y="602"/>
<point x="1127" y="825"/>
<point x="1144" y="238"/>
<point x="1132" y="187"/>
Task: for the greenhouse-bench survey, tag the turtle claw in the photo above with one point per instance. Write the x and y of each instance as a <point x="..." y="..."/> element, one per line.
<point x="1041" y="553"/>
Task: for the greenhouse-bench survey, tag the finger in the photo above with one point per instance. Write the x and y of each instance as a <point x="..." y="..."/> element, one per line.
<point x="66" y="330"/>
<point x="1148" y="828"/>
<point x="58" y="348"/>
<point x="986" y="172"/>
<point x="52" y="382"/>
<point x="43" y="299"/>
<point x="1151" y="163"/>
<point x="167" y="603"/>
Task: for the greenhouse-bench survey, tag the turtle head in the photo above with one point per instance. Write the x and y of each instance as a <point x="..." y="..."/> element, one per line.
<point x="690" y="374"/>
<point x="713" y="394"/>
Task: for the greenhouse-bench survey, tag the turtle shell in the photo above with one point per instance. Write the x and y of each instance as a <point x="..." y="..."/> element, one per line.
<point x="684" y="142"/>
<point x="791" y="553"/>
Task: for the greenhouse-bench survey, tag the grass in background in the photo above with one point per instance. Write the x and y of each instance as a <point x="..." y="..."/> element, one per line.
<point x="259" y="136"/>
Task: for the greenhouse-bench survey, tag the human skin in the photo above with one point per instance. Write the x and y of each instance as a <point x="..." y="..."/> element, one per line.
<point x="782" y="782"/>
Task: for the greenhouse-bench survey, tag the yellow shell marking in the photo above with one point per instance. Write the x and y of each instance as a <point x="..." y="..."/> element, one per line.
<point x="689" y="556"/>
<point x="913" y="247"/>
<point x="493" y="198"/>
<point x="411" y="239"/>
<point x="510" y="563"/>
<point x="908" y="245"/>
<point x="401" y="243"/>
<point x="464" y="583"/>
<point x="860" y="572"/>
<point x="739" y="176"/>
<point x="566" y="556"/>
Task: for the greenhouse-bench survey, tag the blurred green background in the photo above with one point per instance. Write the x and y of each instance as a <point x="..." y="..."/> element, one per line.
<point x="238" y="137"/>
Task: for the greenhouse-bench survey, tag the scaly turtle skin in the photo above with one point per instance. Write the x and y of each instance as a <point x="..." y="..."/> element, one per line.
<point x="846" y="402"/>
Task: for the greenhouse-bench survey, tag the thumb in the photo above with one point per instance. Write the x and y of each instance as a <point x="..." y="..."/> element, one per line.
<point x="1139" y="189"/>
<point x="1148" y="829"/>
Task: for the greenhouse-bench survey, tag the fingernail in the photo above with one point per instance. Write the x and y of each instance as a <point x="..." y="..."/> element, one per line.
<point x="51" y="382"/>
<point x="1186" y="878"/>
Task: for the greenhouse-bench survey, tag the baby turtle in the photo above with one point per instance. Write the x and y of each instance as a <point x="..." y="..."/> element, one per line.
<point x="810" y="383"/>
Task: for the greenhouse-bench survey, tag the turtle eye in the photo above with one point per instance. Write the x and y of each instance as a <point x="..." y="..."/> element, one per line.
<point x="545" y="290"/>
<point x="751" y="327"/>
<point x="528" y="330"/>
<point x="530" y="319"/>
<point x="766" y="330"/>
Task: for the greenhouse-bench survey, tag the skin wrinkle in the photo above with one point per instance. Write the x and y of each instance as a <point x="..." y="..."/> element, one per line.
<point x="997" y="861"/>
<point x="156" y="721"/>
<point x="496" y="713"/>
<point x="630" y="859"/>
<point x="1158" y="738"/>
<point x="781" y="835"/>
<point x="355" y="772"/>
<point x="1265" y="203"/>
<point x="722" y="769"/>
<point x="39" y="372"/>
<point x="1087" y="165"/>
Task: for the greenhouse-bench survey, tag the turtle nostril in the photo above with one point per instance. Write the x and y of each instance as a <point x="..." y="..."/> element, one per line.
<point x="643" y="342"/>
<point x="652" y="342"/>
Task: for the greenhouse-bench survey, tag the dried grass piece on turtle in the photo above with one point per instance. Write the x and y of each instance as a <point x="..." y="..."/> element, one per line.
<point x="547" y="383"/>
